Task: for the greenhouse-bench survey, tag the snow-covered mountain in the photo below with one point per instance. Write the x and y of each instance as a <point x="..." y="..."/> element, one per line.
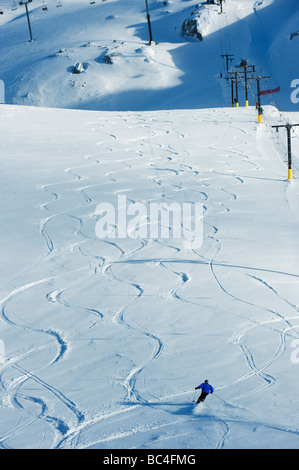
<point x="103" y="340"/>
<point x="179" y="72"/>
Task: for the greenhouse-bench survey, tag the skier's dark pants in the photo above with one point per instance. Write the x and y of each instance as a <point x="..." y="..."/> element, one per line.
<point x="202" y="397"/>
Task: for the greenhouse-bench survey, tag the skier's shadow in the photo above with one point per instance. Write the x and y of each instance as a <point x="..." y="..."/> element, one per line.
<point x="173" y="408"/>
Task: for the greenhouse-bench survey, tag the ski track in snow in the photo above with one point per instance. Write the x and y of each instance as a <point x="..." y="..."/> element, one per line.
<point x="168" y="168"/>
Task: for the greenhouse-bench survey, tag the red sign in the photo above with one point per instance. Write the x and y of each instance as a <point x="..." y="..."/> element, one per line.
<point x="267" y="92"/>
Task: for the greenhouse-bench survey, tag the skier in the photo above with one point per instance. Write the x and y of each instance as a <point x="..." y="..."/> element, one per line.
<point x="206" y="389"/>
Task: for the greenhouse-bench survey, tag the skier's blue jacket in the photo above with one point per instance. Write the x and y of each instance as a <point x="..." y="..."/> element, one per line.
<point x="206" y="388"/>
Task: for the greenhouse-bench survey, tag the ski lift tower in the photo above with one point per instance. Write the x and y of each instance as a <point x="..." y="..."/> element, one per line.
<point x="28" y="19"/>
<point x="151" y="42"/>
<point x="259" y="108"/>
<point x="246" y="69"/>
<point x="288" y="128"/>
<point x="233" y="77"/>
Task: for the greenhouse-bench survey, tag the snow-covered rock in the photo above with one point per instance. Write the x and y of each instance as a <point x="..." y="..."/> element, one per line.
<point x="78" y="68"/>
<point x="198" y="23"/>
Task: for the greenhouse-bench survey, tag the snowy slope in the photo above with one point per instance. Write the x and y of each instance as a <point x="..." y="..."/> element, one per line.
<point x="100" y="354"/>
<point x="177" y="73"/>
<point x="104" y="340"/>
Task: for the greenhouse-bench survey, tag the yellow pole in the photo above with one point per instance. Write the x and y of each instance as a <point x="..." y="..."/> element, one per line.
<point x="246" y="103"/>
<point x="237" y="105"/>
<point x="259" y="118"/>
<point x="290" y="174"/>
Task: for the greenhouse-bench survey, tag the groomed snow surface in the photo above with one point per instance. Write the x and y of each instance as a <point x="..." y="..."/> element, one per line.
<point x="103" y="340"/>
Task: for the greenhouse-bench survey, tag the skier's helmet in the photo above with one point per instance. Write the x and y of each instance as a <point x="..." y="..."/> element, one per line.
<point x="206" y="381"/>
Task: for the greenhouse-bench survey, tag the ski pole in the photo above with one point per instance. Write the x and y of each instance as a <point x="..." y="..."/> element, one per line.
<point x="219" y="397"/>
